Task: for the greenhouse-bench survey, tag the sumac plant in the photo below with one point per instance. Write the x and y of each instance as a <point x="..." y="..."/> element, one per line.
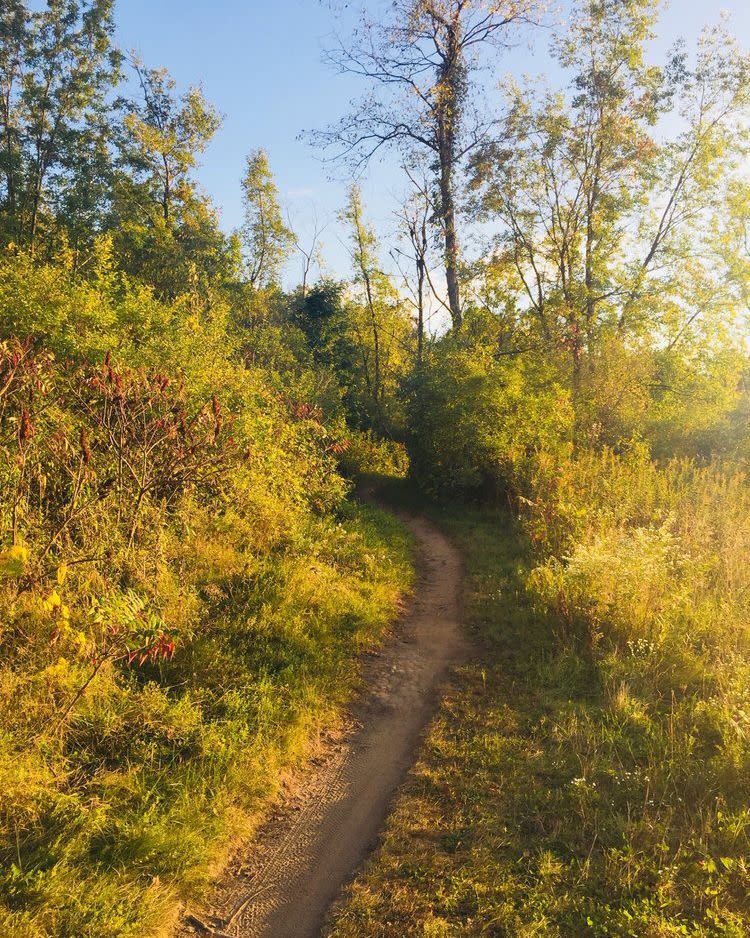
<point x="25" y="379"/>
<point x="125" y="632"/>
<point x="74" y="436"/>
<point x="26" y="393"/>
<point x="157" y="446"/>
<point x="333" y="444"/>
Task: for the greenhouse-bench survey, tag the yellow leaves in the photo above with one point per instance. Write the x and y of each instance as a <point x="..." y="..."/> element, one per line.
<point x="80" y="640"/>
<point x="59" y="669"/>
<point x="52" y="602"/>
<point x="13" y="561"/>
<point x="719" y="865"/>
<point x="59" y="611"/>
<point x="54" y="605"/>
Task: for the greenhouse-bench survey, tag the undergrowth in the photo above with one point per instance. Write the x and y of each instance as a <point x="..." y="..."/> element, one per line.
<point x="185" y="589"/>
<point x="106" y="821"/>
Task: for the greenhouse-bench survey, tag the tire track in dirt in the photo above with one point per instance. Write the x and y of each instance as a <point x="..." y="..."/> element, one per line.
<point x="285" y="880"/>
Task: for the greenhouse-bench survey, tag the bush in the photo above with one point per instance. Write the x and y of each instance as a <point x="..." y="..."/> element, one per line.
<point x="364" y="453"/>
<point x="478" y="420"/>
<point x="184" y="590"/>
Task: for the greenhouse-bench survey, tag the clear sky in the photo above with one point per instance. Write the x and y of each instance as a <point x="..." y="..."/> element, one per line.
<point x="260" y="63"/>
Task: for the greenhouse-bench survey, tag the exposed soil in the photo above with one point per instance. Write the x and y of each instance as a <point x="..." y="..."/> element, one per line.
<point x="284" y="882"/>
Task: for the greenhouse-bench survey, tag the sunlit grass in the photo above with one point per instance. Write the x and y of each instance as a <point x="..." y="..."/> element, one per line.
<point x="563" y="791"/>
<point x="107" y="822"/>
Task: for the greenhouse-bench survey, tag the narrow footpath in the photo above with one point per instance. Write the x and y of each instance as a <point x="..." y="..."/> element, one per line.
<point x="297" y="864"/>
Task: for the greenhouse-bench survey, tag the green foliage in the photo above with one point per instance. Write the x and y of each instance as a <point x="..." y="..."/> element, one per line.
<point x="166" y="230"/>
<point x="477" y="420"/>
<point x="366" y="454"/>
<point x="333" y="342"/>
<point x="165" y="135"/>
<point x="377" y="322"/>
<point x="587" y="775"/>
<point x="57" y="65"/>
<point x="322" y="317"/>
<point x="616" y="206"/>
<point x="266" y="239"/>
<point x="184" y="586"/>
<point x="184" y="591"/>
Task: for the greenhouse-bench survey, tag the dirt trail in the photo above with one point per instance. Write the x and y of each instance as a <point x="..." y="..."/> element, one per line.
<point x="289" y="876"/>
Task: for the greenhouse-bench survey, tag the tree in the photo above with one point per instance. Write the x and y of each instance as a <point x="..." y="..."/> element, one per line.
<point x="57" y="66"/>
<point x="413" y="220"/>
<point x="377" y="315"/>
<point x="732" y="238"/>
<point x="165" y="134"/>
<point x="167" y="230"/>
<point x="266" y="239"/>
<point x="420" y="63"/>
<point x="364" y="260"/>
<point x="310" y="252"/>
<point x="323" y="315"/>
<point x="14" y="38"/>
<point x="602" y="225"/>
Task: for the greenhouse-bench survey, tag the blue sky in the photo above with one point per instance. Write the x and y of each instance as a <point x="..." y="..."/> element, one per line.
<point x="259" y="62"/>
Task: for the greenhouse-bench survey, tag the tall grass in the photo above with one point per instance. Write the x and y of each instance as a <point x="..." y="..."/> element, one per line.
<point x="590" y="774"/>
<point x="184" y="591"/>
<point x="111" y="814"/>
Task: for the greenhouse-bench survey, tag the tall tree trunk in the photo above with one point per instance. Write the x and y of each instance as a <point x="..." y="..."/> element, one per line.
<point x="450" y="105"/>
<point x="418" y="237"/>
<point x="375" y="339"/>
<point x="448" y="211"/>
<point x="420" y="310"/>
<point x="373" y="321"/>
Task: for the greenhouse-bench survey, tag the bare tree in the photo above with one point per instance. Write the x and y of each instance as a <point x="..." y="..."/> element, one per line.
<point x="416" y="226"/>
<point x="413" y="221"/>
<point x="420" y="64"/>
<point x="309" y="251"/>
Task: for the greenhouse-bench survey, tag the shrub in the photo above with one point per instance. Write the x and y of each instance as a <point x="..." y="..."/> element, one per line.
<point x="183" y="594"/>
<point x="363" y="453"/>
<point x="478" y="420"/>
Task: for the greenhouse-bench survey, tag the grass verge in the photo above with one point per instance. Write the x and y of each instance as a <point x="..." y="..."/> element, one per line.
<point x="161" y="768"/>
<point x="545" y="802"/>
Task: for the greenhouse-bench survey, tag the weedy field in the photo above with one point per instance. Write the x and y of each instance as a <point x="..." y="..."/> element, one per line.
<point x="542" y="303"/>
<point x="574" y="783"/>
<point x="120" y="800"/>
<point x="185" y="589"/>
